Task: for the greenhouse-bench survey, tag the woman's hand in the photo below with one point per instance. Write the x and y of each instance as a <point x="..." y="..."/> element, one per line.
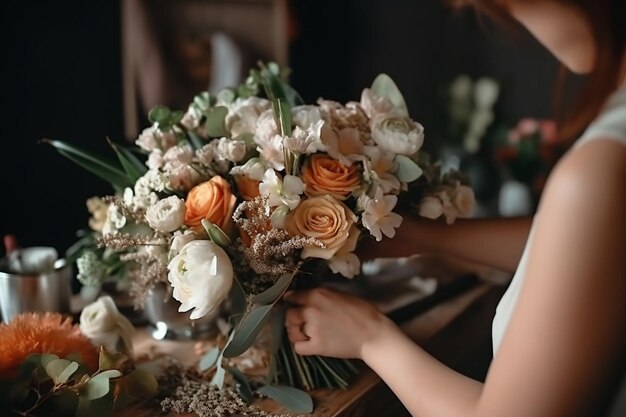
<point x="329" y="323"/>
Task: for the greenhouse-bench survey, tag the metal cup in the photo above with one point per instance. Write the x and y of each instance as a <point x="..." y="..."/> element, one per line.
<point x="44" y="292"/>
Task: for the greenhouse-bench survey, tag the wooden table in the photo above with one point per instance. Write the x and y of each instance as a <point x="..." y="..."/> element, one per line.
<point x="456" y="331"/>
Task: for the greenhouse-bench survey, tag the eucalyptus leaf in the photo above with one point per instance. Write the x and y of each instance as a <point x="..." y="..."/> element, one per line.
<point x="216" y="234"/>
<point x="60" y="370"/>
<point x="244" y="386"/>
<point x="408" y="170"/>
<point x="216" y="122"/>
<point x="274" y="292"/>
<point x="292" y="398"/>
<point x="218" y="378"/>
<point x="112" y="360"/>
<point x="141" y="384"/>
<point x="99" y="385"/>
<point x="238" y="300"/>
<point x="208" y="359"/>
<point x="383" y="86"/>
<point x="247" y="331"/>
<point x="277" y="328"/>
<point x="159" y="114"/>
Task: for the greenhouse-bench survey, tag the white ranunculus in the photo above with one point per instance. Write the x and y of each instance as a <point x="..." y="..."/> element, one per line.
<point x="167" y="215"/>
<point x="397" y="133"/>
<point x="202" y="276"/>
<point x="464" y="200"/>
<point x="431" y="207"/>
<point x="104" y="325"/>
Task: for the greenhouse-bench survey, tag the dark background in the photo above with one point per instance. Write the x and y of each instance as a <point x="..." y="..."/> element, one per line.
<point x="62" y="79"/>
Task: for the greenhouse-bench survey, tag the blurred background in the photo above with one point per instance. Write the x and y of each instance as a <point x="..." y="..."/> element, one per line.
<point x="85" y="71"/>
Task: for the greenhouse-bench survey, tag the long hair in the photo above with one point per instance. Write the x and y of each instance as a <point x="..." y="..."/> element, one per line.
<point x="607" y="19"/>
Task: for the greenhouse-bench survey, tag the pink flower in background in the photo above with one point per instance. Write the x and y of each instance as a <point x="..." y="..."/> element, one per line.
<point x="527" y="126"/>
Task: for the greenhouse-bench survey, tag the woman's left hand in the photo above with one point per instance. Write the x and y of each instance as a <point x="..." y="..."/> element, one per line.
<point x="329" y="323"/>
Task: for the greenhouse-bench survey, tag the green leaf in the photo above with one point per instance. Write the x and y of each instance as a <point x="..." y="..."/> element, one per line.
<point x="294" y="399"/>
<point x="247" y="331"/>
<point x="159" y="114"/>
<point x="112" y="360"/>
<point x="383" y="86"/>
<point x="133" y="167"/>
<point x="238" y="301"/>
<point x="282" y="113"/>
<point x="208" y="359"/>
<point x="60" y="370"/>
<point x="408" y="170"/>
<point x="244" y="386"/>
<point x="218" y="378"/>
<point x="216" y="234"/>
<point x="216" y="122"/>
<point x="277" y="327"/>
<point x="276" y="291"/>
<point x="95" y="164"/>
<point x="140" y="384"/>
<point x="98" y="386"/>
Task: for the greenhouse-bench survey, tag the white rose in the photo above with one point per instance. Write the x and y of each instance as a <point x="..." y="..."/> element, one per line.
<point x="167" y="215"/>
<point x="202" y="276"/>
<point x="464" y="200"/>
<point x="431" y="207"/>
<point x="397" y="133"/>
<point x="101" y="322"/>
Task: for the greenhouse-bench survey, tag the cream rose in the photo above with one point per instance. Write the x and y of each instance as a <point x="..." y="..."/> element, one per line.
<point x="326" y="220"/>
<point x="325" y="175"/>
<point x="101" y="322"/>
<point x="464" y="200"/>
<point x="397" y="133"/>
<point x="201" y="275"/>
<point x="167" y="215"/>
<point x="211" y="200"/>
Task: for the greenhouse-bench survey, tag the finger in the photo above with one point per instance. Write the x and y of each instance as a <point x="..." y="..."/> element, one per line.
<point x="296" y="334"/>
<point x="305" y="348"/>
<point x="298" y="297"/>
<point x="294" y="317"/>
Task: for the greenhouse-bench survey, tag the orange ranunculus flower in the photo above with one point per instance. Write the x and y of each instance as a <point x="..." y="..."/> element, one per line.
<point x="211" y="200"/>
<point x="247" y="187"/>
<point x="326" y="219"/>
<point x="325" y="175"/>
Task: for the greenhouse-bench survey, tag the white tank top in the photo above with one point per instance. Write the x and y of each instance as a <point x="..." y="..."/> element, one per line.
<point x="610" y="124"/>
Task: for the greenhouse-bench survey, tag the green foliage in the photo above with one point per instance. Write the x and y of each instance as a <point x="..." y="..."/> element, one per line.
<point x="60" y="370"/>
<point x="294" y="399"/>
<point x="164" y="117"/>
<point x="272" y="294"/>
<point x="216" y="234"/>
<point x="407" y="171"/>
<point x="208" y="360"/>
<point x="215" y="124"/>
<point x="247" y="331"/>
<point x="244" y="388"/>
<point x="383" y="86"/>
<point x="132" y="166"/>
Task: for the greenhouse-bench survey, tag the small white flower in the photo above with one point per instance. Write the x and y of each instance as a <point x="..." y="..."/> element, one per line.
<point x="167" y="215"/>
<point x="115" y="220"/>
<point x="254" y="168"/>
<point x="382" y="165"/>
<point x="449" y="210"/>
<point x="98" y="210"/>
<point x="266" y="128"/>
<point x="191" y="119"/>
<point x="464" y="200"/>
<point x="91" y="270"/>
<point x="344" y="145"/>
<point x="183" y="178"/>
<point x="178" y="156"/>
<point x="201" y="275"/>
<point x="279" y="217"/>
<point x="230" y="150"/>
<point x="286" y="192"/>
<point x="103" y="324"/>
<point x="272" y="152"/>
<point x="307" y="141"/>
<point x="206" y="154"/>
<point x="152" y="138"/>
<point x="155" y="160"/>
<point x="306" y="116"/>
<point x="397" y="133"/>
<point x="128" y="196"/>
<point x="431" y="207"/>
<point x="345" y="262"/>
<point x="379" y="218"/>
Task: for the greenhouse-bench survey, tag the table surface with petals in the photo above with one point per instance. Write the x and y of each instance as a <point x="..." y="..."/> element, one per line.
<point x="457" y="331"/>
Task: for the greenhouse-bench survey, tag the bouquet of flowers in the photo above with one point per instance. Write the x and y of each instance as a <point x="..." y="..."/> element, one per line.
<point x="252" y="192"/>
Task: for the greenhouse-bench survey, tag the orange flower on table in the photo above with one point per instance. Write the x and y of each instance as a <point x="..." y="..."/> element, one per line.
<point x="211" y="200"/>
<point x="248" y="188"/>
<point x="327" y="220"/>
<point x="325" y="175"/>
<point x="36" y="333"/>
